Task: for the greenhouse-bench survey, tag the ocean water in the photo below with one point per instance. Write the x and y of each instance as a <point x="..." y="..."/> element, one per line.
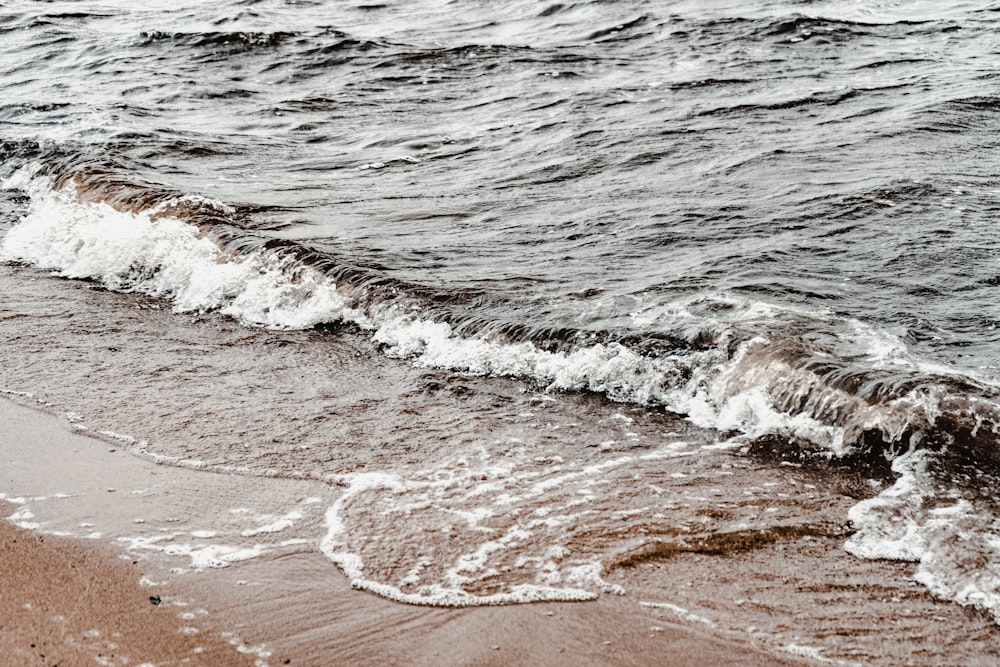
<point x="551" y="295"/>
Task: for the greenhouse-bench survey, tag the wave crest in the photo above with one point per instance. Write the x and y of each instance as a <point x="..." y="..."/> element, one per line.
<point x="747" y="368"/>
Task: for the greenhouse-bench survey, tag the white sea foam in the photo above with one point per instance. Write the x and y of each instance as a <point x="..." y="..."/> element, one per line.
<point x="888" y="525"/>
<point x="22" y="518"/>
<point x="463" y="569"/>
<point x="164" y="256"/>
<point x="277" y="525"/>
<point x="812" y="653"/>
<point x="202" y="556"/>
<point x="204" y="534"/>
<point x="956" y="545"/>
<point x="679" y="612"/>
<point x="505" y="525"/>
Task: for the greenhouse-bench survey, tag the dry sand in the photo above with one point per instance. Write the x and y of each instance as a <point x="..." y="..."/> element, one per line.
<point x="78" y="602"/>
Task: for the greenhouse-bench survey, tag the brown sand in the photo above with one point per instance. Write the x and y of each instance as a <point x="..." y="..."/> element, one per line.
<point x="75" y="602"/>
<point x="319" y="620"/>
<point x="66" y="602"/>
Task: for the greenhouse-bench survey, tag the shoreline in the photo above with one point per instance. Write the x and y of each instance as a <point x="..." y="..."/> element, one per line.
<point x="287" y="606"/>
<point x="66" y="602"/>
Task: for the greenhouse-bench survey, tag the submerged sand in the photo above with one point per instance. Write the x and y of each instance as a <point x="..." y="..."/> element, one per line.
<point x="84" y="601"/>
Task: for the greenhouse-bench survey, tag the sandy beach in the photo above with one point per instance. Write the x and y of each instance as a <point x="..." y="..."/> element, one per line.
<point x="67" y="602"/>
<point x="508" y="333"/>
<point x="72" y="601"/>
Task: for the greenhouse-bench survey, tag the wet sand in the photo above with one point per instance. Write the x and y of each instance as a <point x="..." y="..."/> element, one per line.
<point x="287" y="606"/>
<point x="67" y="602"/>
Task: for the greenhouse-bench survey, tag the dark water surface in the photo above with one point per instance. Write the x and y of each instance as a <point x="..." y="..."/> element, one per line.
<point x="556" y="293"/>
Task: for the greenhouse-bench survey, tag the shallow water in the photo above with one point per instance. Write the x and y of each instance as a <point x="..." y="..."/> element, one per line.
<point x="549" y="292"/>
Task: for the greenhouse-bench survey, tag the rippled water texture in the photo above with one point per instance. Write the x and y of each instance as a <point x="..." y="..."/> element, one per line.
<point x="559" y="293"/>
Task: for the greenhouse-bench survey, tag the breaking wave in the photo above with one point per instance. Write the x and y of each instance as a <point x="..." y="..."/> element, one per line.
<point x="835" y="384"/>
<point x="825" y="386"/>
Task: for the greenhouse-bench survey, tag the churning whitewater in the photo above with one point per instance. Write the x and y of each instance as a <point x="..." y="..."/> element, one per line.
<point x="661" y="268"/>
<point x="743" y="382"/>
